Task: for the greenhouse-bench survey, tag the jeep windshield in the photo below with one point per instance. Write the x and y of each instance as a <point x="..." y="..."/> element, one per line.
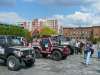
<point x="13" y="41"/>
<point x="61" y="40"/>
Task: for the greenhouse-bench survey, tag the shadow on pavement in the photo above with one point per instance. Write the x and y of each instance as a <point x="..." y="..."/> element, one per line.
<point x="98" y="71"/>
<point x="22" y="65"/>
<point x="2" y="63"/>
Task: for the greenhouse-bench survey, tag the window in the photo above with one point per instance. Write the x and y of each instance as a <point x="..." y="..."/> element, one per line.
<point x="44" y="42"/>
<point x="12" y="40"/>
<point x="2" y="40"/>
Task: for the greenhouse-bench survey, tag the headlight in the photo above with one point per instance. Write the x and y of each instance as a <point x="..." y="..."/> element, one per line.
<point x="18" y="53"/>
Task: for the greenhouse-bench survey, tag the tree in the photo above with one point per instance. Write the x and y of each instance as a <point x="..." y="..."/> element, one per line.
<point x="47" y="31"/>
<point x="94" y="40"/>
<point x="14" y="30"/>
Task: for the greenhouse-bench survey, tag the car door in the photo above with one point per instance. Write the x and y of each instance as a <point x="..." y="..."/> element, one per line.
<point x="2" y="43"/>
<point x="45" y="45"/>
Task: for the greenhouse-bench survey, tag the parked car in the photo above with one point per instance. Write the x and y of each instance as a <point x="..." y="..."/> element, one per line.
<point x="48" y="47"/>
<point x="14" y="53"/>
<point x="64" y="41"/>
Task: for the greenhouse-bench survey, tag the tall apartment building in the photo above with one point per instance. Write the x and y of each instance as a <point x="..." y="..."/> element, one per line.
<point x="37" y="24"/>
<point x="52" y="24"/>
<point x="82" y="32"/>
<point x="26" y="25"/>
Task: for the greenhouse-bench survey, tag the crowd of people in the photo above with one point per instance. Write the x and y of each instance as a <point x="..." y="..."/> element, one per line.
<point x="87" y="48"/>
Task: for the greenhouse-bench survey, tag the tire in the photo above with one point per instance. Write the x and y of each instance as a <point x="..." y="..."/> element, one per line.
<point x="64" y="57"/>
<point x="44" y="55"/>
<point x="13" y="63"/>
<point x="37" y="53"/>
<point x="56" y="55"/>
<point x="29" y="63"/>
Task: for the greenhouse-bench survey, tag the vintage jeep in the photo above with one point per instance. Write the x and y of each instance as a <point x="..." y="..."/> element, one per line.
<point x="65" y="41"/>
<point x="14" y="53"/>
<point x="49" y="47"/>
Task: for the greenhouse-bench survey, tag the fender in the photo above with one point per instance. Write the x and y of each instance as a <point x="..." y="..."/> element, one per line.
<point x="57" y="48"/>
<point x="37" y="47"/>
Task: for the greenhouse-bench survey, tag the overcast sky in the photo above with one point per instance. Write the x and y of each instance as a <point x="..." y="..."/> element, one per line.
<point x="68" y="12"/>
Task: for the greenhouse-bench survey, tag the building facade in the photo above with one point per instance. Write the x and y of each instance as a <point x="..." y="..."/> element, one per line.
<point x="39" y="23"/>
<point x="96" y="31"/>
<point x="82" y="32"/>
<point x="36" y="24"/>
<point x="26" y="25"/>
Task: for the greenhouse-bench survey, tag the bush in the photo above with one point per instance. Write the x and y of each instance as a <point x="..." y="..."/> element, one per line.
<point x="14" y="30"/>
<point x="95" y="40"/>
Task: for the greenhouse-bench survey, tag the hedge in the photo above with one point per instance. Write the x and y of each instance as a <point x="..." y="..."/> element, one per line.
<point x="6" y="29"/>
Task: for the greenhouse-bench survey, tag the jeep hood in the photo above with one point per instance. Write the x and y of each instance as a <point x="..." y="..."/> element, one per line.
<point x="64" y="43"/>
<point x="21" y="48"/>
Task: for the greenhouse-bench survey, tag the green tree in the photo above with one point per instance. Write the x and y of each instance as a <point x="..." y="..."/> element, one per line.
<point x="14" y="30"/>
<point x="47" y="31"/>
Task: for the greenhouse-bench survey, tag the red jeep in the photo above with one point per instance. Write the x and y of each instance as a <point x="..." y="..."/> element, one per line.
<point x="48" y="47"/>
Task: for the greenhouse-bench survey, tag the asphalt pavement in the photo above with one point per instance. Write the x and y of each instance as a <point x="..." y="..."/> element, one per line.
<point x="71" y="66"/>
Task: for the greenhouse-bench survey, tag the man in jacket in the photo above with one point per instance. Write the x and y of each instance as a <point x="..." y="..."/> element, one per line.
<point x="88" y="51"/>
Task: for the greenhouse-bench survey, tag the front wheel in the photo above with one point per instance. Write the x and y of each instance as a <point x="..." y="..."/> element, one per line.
<point x="56" y="55"/>
<point x="64" y="57"/>
<point x="13" y="63"/>
<point x="29" y="63"/>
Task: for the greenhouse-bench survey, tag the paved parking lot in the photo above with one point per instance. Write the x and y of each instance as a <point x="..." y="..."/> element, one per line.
<point x="71" y="66"/>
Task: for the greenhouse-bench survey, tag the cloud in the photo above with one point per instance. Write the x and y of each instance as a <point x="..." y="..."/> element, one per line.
<point x="7" y="2"/>
<point x="10" y="17"/>
<point x="78" y="19"/>
<point x="93" y="7"/>
<point x="88" y="15"/>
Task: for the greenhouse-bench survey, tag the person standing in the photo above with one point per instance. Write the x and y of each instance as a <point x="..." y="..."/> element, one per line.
<point x="98" y="50"/>
<point x="77" y="47"/>
<point x="93" y="48"/>
<point x="87" y="53"/>
<point x="81" y="47"/>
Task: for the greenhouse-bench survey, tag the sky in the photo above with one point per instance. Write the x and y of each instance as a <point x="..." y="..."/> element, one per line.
<point x="69" y="13"/>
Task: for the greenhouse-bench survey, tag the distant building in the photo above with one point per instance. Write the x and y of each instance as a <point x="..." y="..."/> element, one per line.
<point x="26" y="25"/>
<point x="96" y="31"/>
<point x="39" y="23"/>
<point x="82" y="32"/>
<point x="36" y="24"/>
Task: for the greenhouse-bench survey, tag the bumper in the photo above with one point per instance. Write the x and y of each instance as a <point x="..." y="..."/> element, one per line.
<point x="28" y="58"/>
